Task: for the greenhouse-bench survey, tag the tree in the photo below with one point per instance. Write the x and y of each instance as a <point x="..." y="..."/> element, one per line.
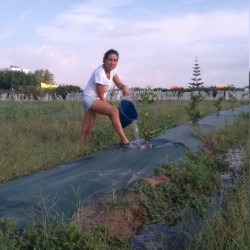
<point x="44" y="76"/>
<point x="17" y="80"/>
<point x="63" y="90"/>
<point x="192" y="109"/>
<point x="148" y="130"/>
<point x="196" y="73"/>
<point x="5" y="79"/>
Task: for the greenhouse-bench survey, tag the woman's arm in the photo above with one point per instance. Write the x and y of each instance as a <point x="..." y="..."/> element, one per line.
<point x="121" y="86"/>
<point x="100" y="91"/>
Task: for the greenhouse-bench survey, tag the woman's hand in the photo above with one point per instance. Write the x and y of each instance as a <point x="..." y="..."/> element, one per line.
<point x="125" y="90"/>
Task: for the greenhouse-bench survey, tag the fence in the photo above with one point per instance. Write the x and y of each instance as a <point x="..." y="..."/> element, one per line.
<point x="242" y="95"/>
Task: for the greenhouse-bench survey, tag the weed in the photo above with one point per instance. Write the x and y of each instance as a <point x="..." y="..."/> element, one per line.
<point x="229" y="228"/>
<point x="221" y="140"/>
<point x="191" y="181"/>
<point x="60" y="236"/>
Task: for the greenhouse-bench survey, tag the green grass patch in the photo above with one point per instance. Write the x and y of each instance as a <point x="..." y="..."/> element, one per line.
<point x="59" y="236"/>
<point x="39" y="135"/>
<point x="230" y="227"/>
<point x="192" y="181"/>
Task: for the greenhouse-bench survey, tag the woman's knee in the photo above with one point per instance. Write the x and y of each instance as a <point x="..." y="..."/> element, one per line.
<point x="88" y="121"/>
<point x="114" y="112"/>
<point x="86" y="129"/>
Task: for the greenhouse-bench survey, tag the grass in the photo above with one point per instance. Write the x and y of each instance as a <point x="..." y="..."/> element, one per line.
<point x="39" y="135"/>
<point x="230" y="138"/>
<point x="192" y="182"/>
<point x="230" y="228"/>
<point x="60" y="236"/>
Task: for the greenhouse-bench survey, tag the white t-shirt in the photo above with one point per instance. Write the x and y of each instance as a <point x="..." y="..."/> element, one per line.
<point x="99" y="76"/>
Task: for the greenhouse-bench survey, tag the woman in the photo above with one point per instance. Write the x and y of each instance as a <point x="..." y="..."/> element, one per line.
<point x="94" y="96"/>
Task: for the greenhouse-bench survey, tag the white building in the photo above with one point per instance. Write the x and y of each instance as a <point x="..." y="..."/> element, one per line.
<point x="16" y="68"/>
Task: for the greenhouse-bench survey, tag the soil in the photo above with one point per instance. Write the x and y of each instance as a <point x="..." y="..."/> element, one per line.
<point x="207" y="150"/>
<point x="122" y="222"/>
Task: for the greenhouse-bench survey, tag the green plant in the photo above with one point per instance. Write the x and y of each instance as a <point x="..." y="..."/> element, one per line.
<point x="230" y="137"/>
<point x="192" y="180"/>
<point x="217" y="105"/>
<point x="60" y="236"/>
<point x="229" y="228"/>
<point x="147" y="97"/>
<point x="194" y="114"/>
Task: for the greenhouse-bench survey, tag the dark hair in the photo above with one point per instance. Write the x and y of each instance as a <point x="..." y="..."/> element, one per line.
<point x="111" y="51"/>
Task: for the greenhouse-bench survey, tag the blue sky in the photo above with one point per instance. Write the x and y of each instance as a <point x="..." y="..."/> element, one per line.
<point x="158" y="40"/>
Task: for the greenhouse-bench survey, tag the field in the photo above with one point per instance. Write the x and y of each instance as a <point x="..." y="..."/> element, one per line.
<point x="39" y="135"/>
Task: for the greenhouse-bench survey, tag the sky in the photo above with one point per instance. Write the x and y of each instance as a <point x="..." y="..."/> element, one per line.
<point x="158" y="41"/>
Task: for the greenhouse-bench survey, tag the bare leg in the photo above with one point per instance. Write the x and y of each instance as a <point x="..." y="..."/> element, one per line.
<point x="87" y="122"/>
<point x="105" y="108"/>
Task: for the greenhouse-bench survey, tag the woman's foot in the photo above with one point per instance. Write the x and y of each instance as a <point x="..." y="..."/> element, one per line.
<point x="125" y="145"/>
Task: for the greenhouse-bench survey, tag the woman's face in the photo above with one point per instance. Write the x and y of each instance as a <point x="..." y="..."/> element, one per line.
<point x="111" y="62"/>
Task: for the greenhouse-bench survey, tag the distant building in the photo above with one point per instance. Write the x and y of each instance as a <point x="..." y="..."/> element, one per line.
<point x="16" y="68"/>
<point x="176" y="88"/>
<point x="48" y="86"/>
<point x="224" y="85"/>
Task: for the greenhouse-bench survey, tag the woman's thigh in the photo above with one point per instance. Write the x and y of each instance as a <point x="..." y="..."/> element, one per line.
<point x="103" y="107"/>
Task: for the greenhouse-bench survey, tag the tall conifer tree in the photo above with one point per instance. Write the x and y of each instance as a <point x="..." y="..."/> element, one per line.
<point x="196" y="80"/>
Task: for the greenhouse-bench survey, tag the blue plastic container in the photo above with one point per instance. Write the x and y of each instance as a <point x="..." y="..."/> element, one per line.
<point x="127" y="112"/>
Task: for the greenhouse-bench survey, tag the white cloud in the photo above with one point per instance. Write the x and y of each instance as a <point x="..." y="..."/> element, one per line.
<point x="58" y="60"/>
<point x="159" y="50"/>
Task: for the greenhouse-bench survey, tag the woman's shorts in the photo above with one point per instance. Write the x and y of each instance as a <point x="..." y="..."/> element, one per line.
<point x="87" y="101"/>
